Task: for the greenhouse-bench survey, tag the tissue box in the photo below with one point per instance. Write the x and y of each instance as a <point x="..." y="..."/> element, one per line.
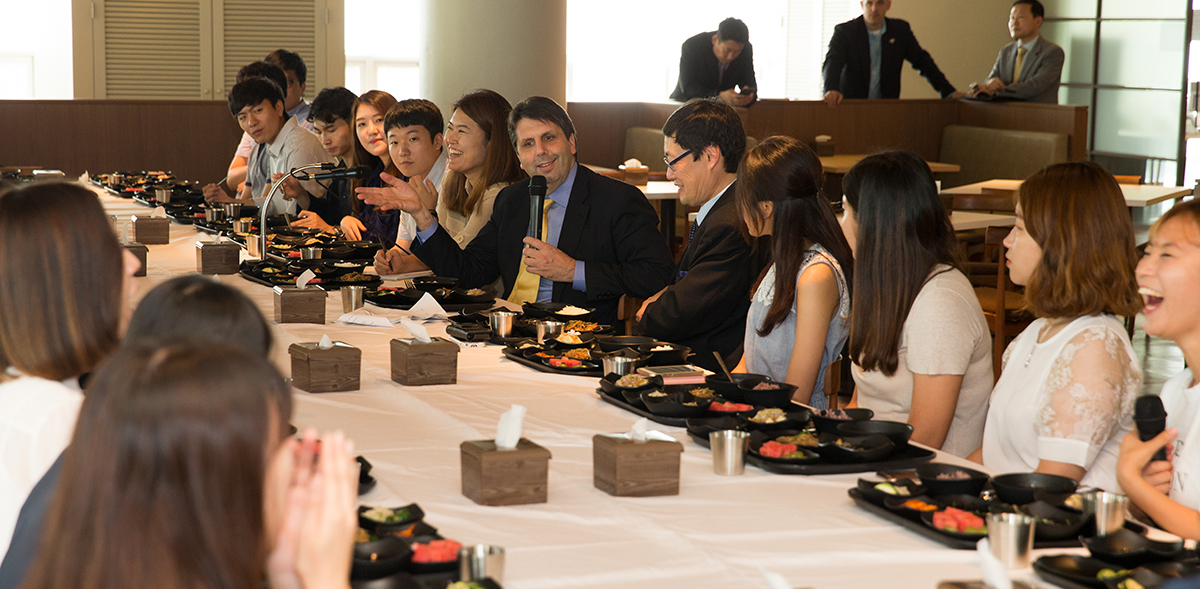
<point x="217" y="258"/>
<point x="325" y="371"/>
<point x="151" y="230"/>
<point x="140" y="252"/>
<point x="417" y="363"/>
<point x="504" y="477"/>
<point x="631" y="469"/>
<point x="638" y="176"/>
<point x="299" y="305"/>
<point x="822" y="148"/>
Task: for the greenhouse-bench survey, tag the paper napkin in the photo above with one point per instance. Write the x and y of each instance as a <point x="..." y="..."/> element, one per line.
<point x="508" y="432"/>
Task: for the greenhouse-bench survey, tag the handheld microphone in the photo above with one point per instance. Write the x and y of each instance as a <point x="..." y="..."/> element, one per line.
<point x="355" y="172"/>
<point x="537" y="199"/>
<point x="1151" y="419"/>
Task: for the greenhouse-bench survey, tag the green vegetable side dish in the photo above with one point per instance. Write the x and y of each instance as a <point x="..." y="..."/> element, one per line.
<point x="387" y="516"/>
<point x="1111" y="574"/>
<point x="462" y="585"/>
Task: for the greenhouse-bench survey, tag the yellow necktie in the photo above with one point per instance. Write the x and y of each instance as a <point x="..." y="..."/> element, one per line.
<point x="526" y="287"/>
<point x="1017" y="67"/>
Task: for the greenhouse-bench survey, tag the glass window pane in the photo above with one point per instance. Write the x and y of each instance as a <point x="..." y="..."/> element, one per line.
<point x="1070" y="8"/>
<point x="401" y="42"/>
<point x="1138" y="122"/>
<point x="1143" y="54"/>
<point x="354" y="81"/>
<point x="1144" y="9"/>
<point x="1078" y="40"/>
<point x="400" y="81"/>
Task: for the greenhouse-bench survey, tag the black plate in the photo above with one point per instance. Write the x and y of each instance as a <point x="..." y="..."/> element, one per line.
<point x="730" y="390"/>
<point x="674" y="356"/>
<point x="702" y="426"/>
<point x="673" y="421"/>
<point x="796" y="418"/>
<point x="672" y="405"/>
<point x="609" y="384"/>
<point x="866" y="448"/>
<point x="612" y="343"/>
<point x="758" y="438"/>
<point x="545" y="310"/>
<point x="1027" y="487"/>
<point x="586" y="340"/>
<point x="1068" y="521"/>
<point x="597" y="372"/>
<point x="459" y="295"/>
<point x="779" y="397"/>
<point x="868" y="490"/>
<point x="1130" y="550"/>
<point x="1075" y="569"/>
<point x="897" y="432"/>
<point x="828" y="424"/>
<point x="386" y="556"/>
<point x="393" y="298"/>
<point x="928" y="474"/>
<point x="584" y="366"/>
<point x="927" y="519"/>
<point x="415" y="514"/>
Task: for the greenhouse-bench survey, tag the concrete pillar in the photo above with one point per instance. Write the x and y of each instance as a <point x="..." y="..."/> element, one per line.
<point x="515" y="47"/>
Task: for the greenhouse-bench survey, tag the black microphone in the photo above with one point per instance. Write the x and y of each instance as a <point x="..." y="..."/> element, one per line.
<point x="537" y="199"/>
<point x="355" y="172"/>
<point x="1151" y="420"/>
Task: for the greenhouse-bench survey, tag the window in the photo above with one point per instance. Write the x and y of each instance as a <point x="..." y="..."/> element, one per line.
<point x="387" y="59"/>
<point x="35" y="50"/>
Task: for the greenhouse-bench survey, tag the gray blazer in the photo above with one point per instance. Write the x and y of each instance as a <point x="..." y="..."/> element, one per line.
<point x="1040" y="73"/>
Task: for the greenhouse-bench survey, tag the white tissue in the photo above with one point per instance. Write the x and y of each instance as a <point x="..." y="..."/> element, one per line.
<point x="995" y="575"/>
<point x="302" y="280"/>
<point x="638" y="433"/>
<point x="217" y="239"/>
<point x="824" y="138"/>
<point x="365" y="317"/>
<point x="774" y="580"/>
<point x="633" y="163"/>
<point x="216" y="279"/>
<point x="508" y="432"/>
<point x="159" y="212"/>
<point x="427" y="308"/>
<point x="416" y="330"/>
<point x="325" y="342"/>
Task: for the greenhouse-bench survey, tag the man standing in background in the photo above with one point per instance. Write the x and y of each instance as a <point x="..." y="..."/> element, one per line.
<point x="712" y="64"/>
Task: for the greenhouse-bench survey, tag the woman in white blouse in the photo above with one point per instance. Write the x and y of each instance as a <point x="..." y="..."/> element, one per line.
<point x="1168" y="277"/>
<point x="1070" y="379"/>
<point x="64" y="291"/>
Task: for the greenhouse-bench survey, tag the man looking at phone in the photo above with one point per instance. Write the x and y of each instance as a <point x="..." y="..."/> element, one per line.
<point x="718" y="64"/>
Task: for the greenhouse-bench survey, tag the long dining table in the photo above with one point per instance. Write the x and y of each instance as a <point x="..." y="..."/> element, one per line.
<point x="718" y="532"/>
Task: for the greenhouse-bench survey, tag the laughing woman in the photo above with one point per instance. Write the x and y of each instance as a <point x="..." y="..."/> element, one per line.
<point x="1070" y="379"/>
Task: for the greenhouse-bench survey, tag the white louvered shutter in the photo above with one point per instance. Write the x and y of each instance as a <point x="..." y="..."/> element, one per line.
<point x="150" y="49"/>
<point x="251" y="29"/>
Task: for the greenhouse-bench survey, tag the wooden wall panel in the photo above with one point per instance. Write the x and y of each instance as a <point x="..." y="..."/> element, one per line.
<point x="193" y="138"/>
<point x="1024" y="116"/>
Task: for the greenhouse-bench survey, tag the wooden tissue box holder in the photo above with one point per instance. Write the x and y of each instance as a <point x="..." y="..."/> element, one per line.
<point x="504" y="477"/>
<point x="299" y="305"/>
<point x="325" y="371"/>
<point x="416" y="363"/>
<point x="638" y="176"/>
<point x="822" y="148"/>
<point x="217" y="258"/>
<point x="151" y="230"/>
<point x="140" y="252"/>
<point x="635" y="469"/>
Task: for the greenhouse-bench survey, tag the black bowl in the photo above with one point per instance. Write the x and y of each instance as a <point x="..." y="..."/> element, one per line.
<point x="612" y="343"/>
<point x="896" y="505"/>
<point x="672" y="405"/>
<point x="863" y="448"/>
<point x="758" y="438"/>
<point x="385" y="556"/>
<point x="730" y="390"/>
<point x="876" y="496"/>
<point x="432" y="283"/>
<point x="400" y="580"/>
<point x="897" y="432"/>
<point x="706" y="394"/>
<point x="366" y="482"/>
<point x="609" y="385"/>
<point x="514" y="345"/>
<point x="1055" y="522"/>
<point x="829" y="424"/>
<point x="1130" y="549"/>
<point x="1027" y="487"/>
<point x="929" y="472"/>
<point x="587" y="340"/>
<point x="552" y="310"/>
<point x="673" y="356"/>
<point x="1073" y="567"/>
<point x="460" y="296"/>
<point x="1174" y="569"/>
<point x="702" y="426"/>
<point x="794" y="419"/>
<point x="409" y="513"/>
<point x="781" y="396"/>
<point x="634" y="397"/>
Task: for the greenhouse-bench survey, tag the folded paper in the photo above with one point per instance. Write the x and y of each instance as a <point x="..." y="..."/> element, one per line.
<point x="304" y="278"/>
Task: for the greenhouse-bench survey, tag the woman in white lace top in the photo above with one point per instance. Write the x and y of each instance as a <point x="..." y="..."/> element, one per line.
<point x="1070" y="380"/>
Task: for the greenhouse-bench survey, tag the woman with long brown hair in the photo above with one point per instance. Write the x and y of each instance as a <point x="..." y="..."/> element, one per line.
<point x="181" y="475"/>
<point x="65" y="288"/>
<point x="368" y="222"/>
<point x="800" y="308"/>
<point x="918" y="339"/>
<point x="1071" y="378"/>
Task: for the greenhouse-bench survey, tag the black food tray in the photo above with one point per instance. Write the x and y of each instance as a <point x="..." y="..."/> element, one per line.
<point x="448" y="307"/>
<point x="326" y="286"/>
<point x="599" y="373"/>
<point x="1058" y="580"/>
<point x="672" y="421"/>
<point x="905" y="458"/>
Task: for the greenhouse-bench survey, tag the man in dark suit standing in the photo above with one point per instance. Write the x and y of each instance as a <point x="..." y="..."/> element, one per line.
<point x="600" y="238"/>
<point x="1029" y="68"/>
<point x="712" y="64"/>
<point x="866" y="54"/>
<point x="705" y="309"/>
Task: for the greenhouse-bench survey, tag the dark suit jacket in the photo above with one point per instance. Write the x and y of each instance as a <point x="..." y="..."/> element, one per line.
<point x="847" y="67"/>
<point x="22" y="551"/>
<point x="699" y="70"/>
<point x="1041" y="72"/>
<point x="608" y="224"/>
<point x="706" y="307"/>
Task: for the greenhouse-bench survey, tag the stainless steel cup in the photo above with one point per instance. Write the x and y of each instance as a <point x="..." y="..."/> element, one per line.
<point x="233" y="210"/>
<point x="352" y="298"/>
<point x="253" y="246"/>
<point x="310" y="253"/>
<point x="1010" y="537"/>
<point x="729" y="451"/>
<point x="1109" y="510"/>
<point x="502" y="323"/>
<point x="214" y="214"/>
<point x="548" y="329"/>
<point x="162" y="194"/>
<point x="481" y="561"/>
<point x="242" y="225"/>
<point x="619" y="365"/>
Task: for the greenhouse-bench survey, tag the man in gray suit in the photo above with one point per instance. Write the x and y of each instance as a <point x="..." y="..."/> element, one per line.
<point x="1029" y="68"/>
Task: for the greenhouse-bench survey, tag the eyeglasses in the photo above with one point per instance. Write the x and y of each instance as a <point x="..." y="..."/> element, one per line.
<point x="671" y="163"/>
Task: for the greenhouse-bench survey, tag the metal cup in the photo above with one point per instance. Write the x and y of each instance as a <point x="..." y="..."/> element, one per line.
<point x="619" y="365"/>
<point x="502" y="323"/>
<point x="481" y="561"/>
<point x="352" y="298"/>
<point x="729" y="451"/>
<point x="233" y="210"/>
<point x="1109" y="510"/>
<point x="253" y="246"/>
<point x="548" y="329"/>
<point x="162" y="194"/>
<point x="310" y="253"/>
<point x="214" y="214"/>
<point x="1010" y="537"/>
<point x="242" y="225"/>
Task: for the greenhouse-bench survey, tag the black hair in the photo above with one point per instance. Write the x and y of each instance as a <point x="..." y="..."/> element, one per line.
<point x="415" y="111"/>
<point x="264" y="69"/>
<point x="539" y="108"/>
<point x="1035" y="7"/>
<point x="331" y="105"/>
<point x="732" y="29"/>
<point x="252" y="91"/>
<point x="288" y="60"/>
<point x="706" y="121"/>
<point x="196" y="308"/>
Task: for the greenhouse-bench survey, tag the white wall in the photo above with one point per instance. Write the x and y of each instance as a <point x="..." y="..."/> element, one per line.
<point x="963" y="36"/>
<point x="35" y="50"/>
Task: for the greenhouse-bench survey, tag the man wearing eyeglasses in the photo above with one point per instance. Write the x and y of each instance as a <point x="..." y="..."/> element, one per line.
<point x="705" y="309"/>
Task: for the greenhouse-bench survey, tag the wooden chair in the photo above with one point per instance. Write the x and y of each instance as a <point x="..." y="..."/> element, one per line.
<point x="981" y="273"/>
<point x="1003" y="308"/>
<point x="627" y="309"/>
<point x="1128" y="179"/>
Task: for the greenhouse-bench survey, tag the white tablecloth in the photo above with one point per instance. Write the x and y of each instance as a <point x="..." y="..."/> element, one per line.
<point x="716" y="533"/>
